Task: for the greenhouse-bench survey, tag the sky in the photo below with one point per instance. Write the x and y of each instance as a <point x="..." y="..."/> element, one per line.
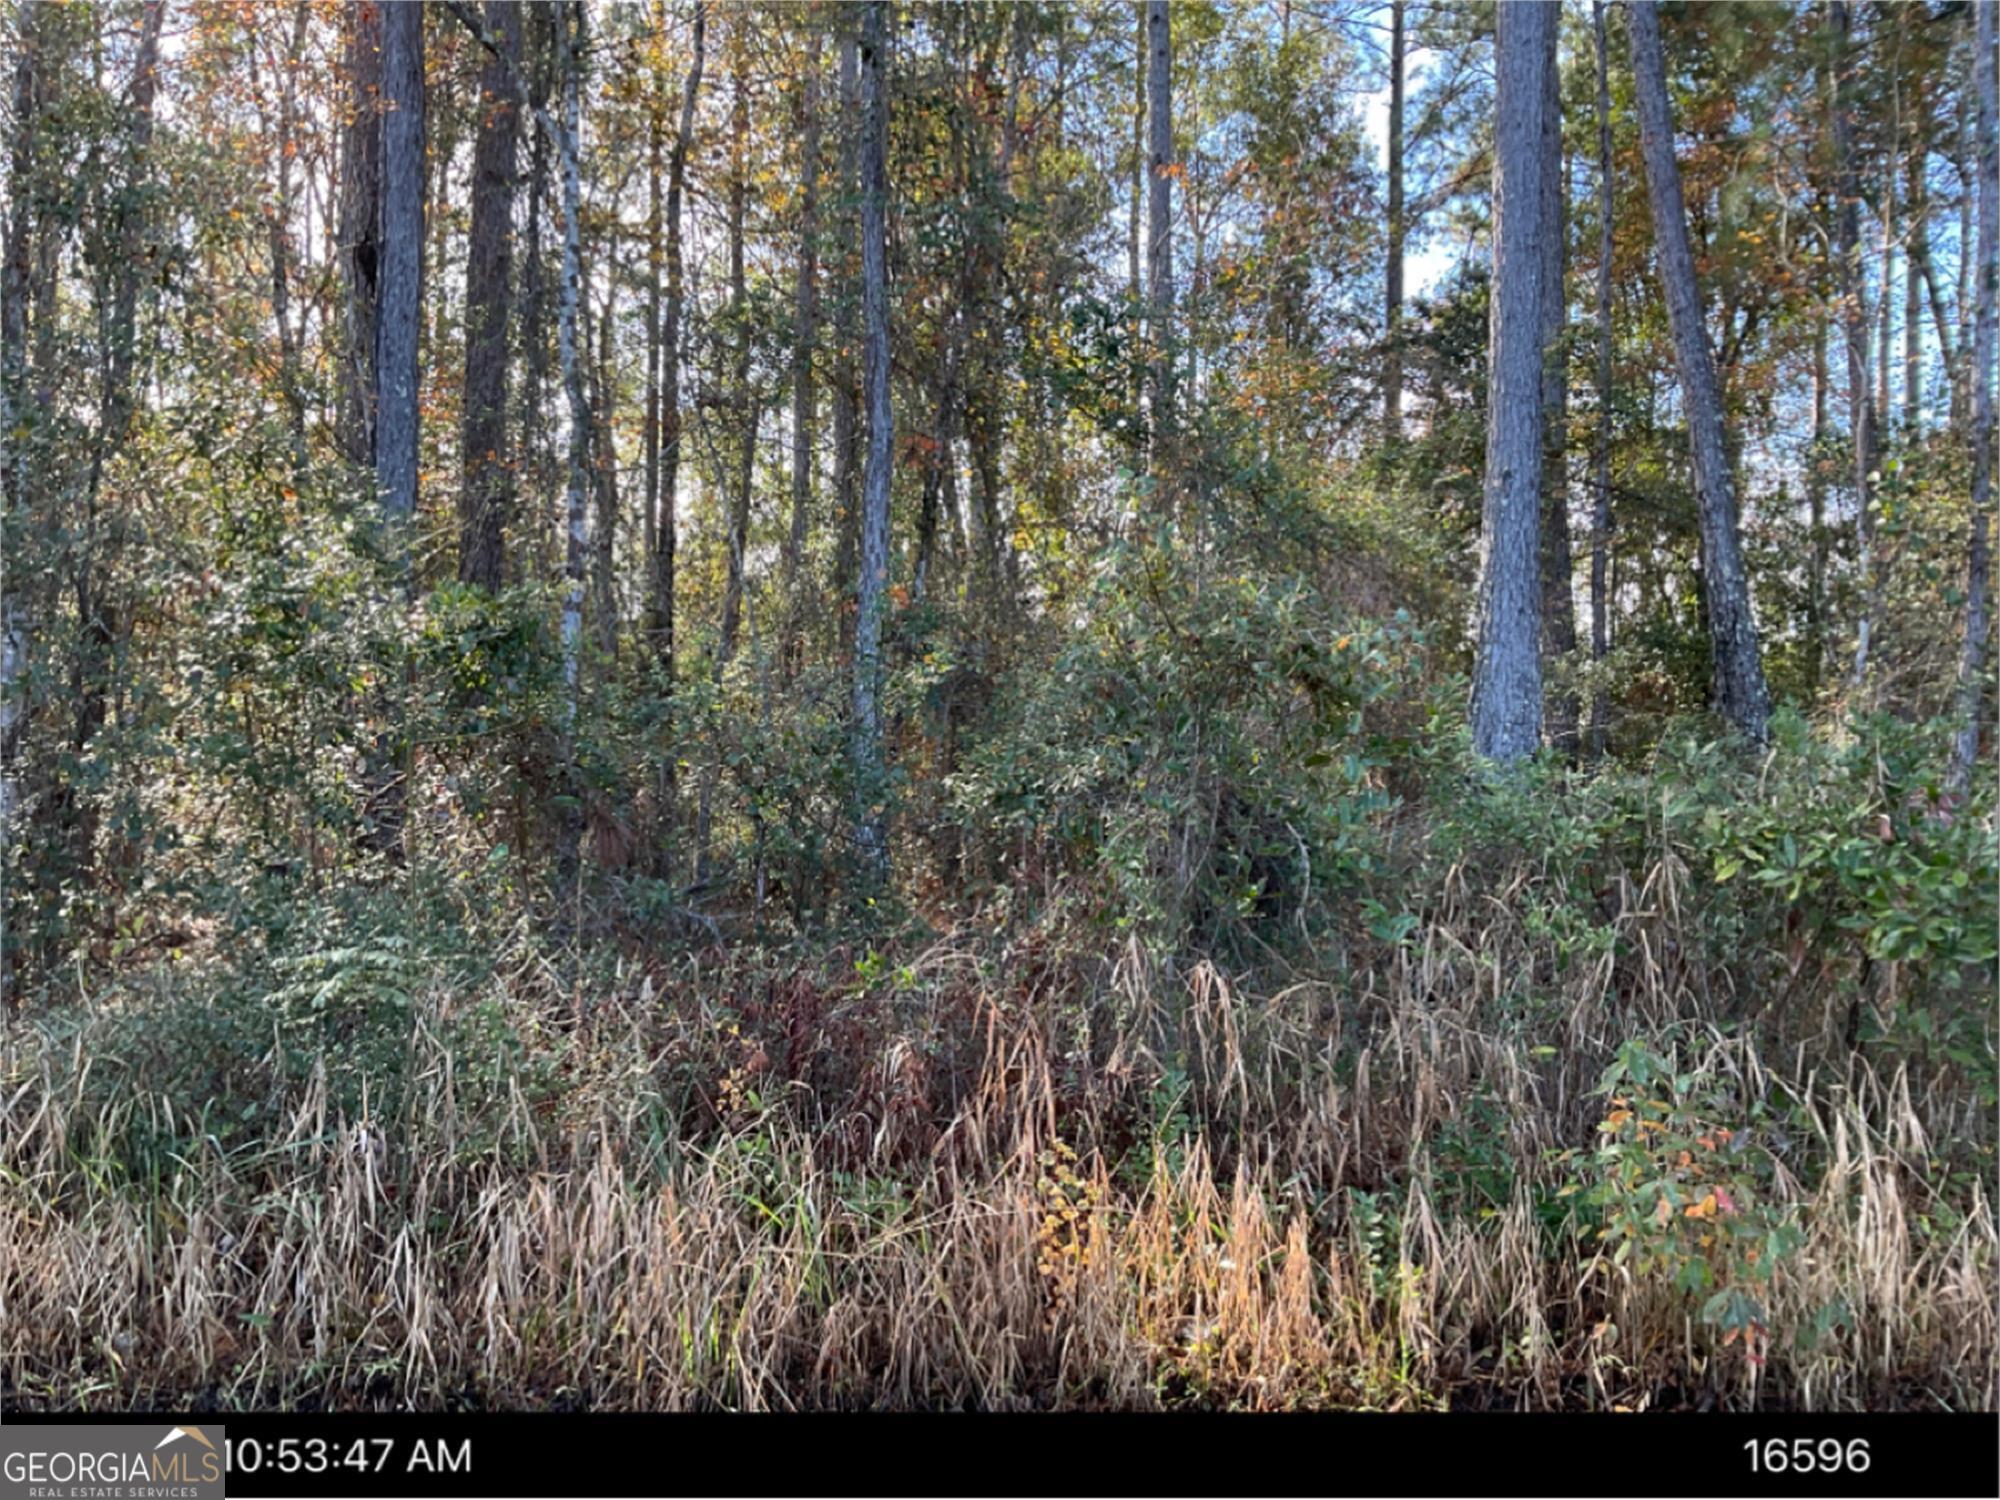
<point x="1425" y="264"/>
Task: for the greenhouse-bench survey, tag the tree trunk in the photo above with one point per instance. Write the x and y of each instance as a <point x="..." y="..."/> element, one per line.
<point x="1978" y="561"/>
<point x="487" y="485"/>
<point x="398" y="327"/>
<point x="1392" y="322"/>
<point x="1913" y="299"/>
<point x="532" y="420"/>
<point x="16" y="613"/>
<point x="577" y="548"/>
<point x="1739" y="688"/>
<point x="1948" y="352"/>
<point x="1507" y="673"/>
<point x="846" y="377"/>
<point x="1600" y="529"/>
<point x="656" y="261"/>
<point x="291" y="56"/>
<point x="1160" y="213"/>
<point x="402" y="262"/>
<point x="1135" y="286"/>
<point x="939" y="467"/>
<point x="1558" y="564"/>
<point x="871" y="597"/>
<point x="1853" y="296"/>
<point x="1885" y="412"/>
<point x="666" y="525"/>
<point x="805" y="338"/>
<point x="1822" y="439"/>
<point x="361" y="232"/>
<point x="742" y="400"/>
<point x="604" y="410"/>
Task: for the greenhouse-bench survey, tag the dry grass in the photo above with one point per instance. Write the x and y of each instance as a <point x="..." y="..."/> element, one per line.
<point x="1010" y="1177"/>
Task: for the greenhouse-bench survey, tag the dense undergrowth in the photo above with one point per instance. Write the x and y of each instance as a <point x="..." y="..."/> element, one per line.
<point x="1241" y="1080"/>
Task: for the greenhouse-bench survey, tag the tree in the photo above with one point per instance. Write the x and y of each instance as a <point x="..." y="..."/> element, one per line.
<point x="1600" y="527"/>
<point x="805" y="340"/>
<point x="1854" y="315"/>
<point x="571" y="356"/>
<point x="1739" y="689"/>
<point x="1392" y="331"/>
<point x="361" y="231"/>
<point x="1161" y="169"/>
<point x="401" y="287"/>
<point x="1558" y="562"/>
<point x="665" y="524"/>
<point x="1978" y="550"/>
<point x="743" y="400"/>
<point x="17" y="617"/>
<point x="871" y="595"/>
<point x="846" y="379"/>
<point x="486" y="495"/>
<point x="1507" y="674"/>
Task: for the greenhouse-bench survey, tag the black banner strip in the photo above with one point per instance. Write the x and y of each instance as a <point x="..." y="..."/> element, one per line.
<point x="548" y="1456"/>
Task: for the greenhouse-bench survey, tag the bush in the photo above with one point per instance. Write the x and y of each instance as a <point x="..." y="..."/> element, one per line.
<point x="1208" y="753"/>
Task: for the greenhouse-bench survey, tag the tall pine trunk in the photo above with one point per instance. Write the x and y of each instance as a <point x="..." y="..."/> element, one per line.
<point x="1392" y="320"/>
<point x="1854" y="317"/>
<point x="487" y="483"/>
<point x="846" y="372"/>
<point x="576" y="548"/>
<point x="398" y="329"/>
<point x="361" y="232"/>
<point x="1160" y="214"/>
<point x="1557" y="559"/>
<point x="1600" y="528"/>
<point x="1978" y="566"/>
<point x="871" y="837"/>
<point x="1739" y="690"/>
<point x="742" y="399"/>
<point x="805" y="344"/>
<point x="1507" y="672"/>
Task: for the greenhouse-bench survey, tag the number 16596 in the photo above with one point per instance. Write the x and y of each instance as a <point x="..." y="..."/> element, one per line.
<point x="1808" y="1455"/>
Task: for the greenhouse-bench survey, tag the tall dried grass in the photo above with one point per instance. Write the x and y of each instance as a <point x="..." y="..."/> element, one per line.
<point x="1011" y="1176"/>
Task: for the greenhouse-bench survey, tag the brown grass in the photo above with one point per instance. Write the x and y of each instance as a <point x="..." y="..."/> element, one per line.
<point x="759" y="1188"/>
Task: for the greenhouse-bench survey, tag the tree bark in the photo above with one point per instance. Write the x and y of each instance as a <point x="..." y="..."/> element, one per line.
<point x="1392" y="329"/>
<point x="16" y="614"/>
<point x="846" y="376"/>
<point x="398" y="328"/>
<point x="1853" y="296"/>
<point x="742" y="399"/>
<point x="869" y="768"/>
<point x="361" y="232"/>
<point x="1600" y="530"/>
<point x="402" y="262"/>
<point x="1913" y="298"/>
<point x="1739" y="689"/>
<point x="656" y="262"/>
<point x="1978" y="566"/>
<point x="1822" y="440"/>
<point x="1160" y="212"/>
<point x="805" y="340"/>
<point x="604" y="471"/>
<point x="533" y="425"/>
<point x="666" y="525"/>
<point x="1558" y="564"/>
<point x="1507" y="672"/>
<point x="1135" y="273"/>
<point x="486" y="493"/>
<point x="1948" y="352"/>
<point x="577" y="544"/>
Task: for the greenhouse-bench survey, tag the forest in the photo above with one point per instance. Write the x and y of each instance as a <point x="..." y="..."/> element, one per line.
<point x="1043" y="704"/>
